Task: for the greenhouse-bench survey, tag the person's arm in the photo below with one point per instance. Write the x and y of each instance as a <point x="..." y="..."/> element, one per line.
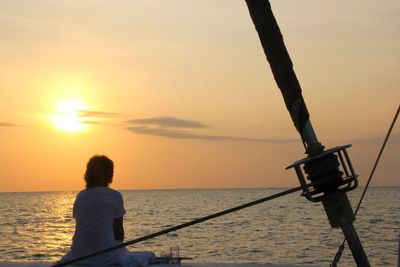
<point x="119" y="229"/>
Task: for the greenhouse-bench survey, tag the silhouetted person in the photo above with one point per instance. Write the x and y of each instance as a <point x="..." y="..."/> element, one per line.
<point x="98" y="212"/>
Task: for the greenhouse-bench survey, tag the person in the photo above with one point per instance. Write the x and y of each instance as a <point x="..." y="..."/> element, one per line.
<point x="98" y="212"/>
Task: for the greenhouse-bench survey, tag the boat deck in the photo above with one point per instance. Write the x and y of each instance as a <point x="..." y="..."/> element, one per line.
<point x="47" y="264"/>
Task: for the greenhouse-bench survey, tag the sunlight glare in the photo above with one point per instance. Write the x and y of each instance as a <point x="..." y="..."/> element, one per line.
<point x="67" y="116"/>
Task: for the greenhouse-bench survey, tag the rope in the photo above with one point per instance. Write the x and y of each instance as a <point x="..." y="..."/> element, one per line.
<point x="184" y="225"/>
<point x="342" y="246"/>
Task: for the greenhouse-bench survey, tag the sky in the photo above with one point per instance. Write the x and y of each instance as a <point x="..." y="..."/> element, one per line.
<point x="179" y="93"/>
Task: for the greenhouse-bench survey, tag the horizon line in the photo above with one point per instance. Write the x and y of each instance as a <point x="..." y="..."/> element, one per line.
<point x="188" y="188"/>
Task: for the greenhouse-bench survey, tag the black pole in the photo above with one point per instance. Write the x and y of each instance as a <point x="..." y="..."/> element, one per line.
<point x="355" y="245"/>
<point x="336" y="203"/>
<point x="279" y="60"/>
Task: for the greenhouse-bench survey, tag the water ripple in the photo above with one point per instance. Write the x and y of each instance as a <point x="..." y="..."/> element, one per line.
<point x="287" y="230"/>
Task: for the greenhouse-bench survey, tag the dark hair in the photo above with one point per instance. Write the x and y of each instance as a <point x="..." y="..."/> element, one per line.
<point x="99" y="171"/>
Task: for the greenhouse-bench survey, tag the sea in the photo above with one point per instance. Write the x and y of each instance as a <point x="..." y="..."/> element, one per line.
<point x="38" y="226"/>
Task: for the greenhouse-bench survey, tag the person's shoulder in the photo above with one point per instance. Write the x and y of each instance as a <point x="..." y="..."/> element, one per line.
<point x="100" y="191"/>
<point x="107" y="191"/>
<point x="81" y="193"/>
<point x="114" y="192"/>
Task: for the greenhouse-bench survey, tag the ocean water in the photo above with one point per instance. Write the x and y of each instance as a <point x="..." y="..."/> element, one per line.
<point x="39" y="226"/>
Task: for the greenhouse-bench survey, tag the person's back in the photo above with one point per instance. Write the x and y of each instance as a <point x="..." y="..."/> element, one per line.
<point x="98" y="211"/>
<point x="95" y="210"/>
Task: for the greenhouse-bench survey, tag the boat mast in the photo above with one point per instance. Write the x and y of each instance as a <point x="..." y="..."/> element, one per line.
<point x="329" y="172"/>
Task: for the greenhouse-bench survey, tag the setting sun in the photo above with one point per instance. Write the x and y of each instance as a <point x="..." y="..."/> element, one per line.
<point x="67" y="116"/>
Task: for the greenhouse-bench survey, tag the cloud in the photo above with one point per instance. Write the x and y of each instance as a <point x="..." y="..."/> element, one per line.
<point x="174" y="134"/>
<point x="95" y="117"/>
<point x="96" y="114"/>
<point x="7" y="124"/>
<point x="393" y="139"/>
<point x="168" y="122"/>
<point x="174" y="128"/>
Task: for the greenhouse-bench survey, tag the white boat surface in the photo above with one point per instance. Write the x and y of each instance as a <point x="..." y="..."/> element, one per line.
<point x="48" y="264"/>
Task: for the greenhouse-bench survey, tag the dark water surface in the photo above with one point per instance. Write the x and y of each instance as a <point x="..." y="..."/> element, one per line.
<point x="39" y="226"/>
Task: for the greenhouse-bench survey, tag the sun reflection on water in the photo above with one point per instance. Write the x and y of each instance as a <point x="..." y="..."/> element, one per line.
<point x="39" y="226"/>
<point x="40" y="229"/>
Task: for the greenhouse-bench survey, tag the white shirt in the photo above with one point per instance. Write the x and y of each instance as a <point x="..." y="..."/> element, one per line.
<point x="95" y="210"/>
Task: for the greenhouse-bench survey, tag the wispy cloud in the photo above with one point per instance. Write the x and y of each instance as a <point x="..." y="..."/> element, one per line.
<point x="168" y="122"/>
<point x="94" y="117"/>
<point x="393" y="139"/>
<point x="7" y="124"/>
<point x="175" y="134"/>
<point x="174" y="128"/>
<point x="97" y="114"/>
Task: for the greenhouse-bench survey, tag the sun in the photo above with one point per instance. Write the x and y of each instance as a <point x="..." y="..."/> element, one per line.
<point x="67" y="116"/>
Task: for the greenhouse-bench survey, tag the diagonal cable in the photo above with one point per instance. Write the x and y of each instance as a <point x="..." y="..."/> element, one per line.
<point x="184" y="225"/>
<point x="342" y="246"/>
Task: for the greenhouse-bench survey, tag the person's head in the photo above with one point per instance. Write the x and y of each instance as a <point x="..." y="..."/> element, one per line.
<point x="99" y="171"/>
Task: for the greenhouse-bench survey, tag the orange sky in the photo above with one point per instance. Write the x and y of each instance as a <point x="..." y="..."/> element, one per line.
<point x="179" y="94"/>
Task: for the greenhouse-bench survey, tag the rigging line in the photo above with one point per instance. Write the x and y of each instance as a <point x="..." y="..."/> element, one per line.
<point x="184" y="225"/>
<point x="378" y="158"/>
<point x="341" y="247"/>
